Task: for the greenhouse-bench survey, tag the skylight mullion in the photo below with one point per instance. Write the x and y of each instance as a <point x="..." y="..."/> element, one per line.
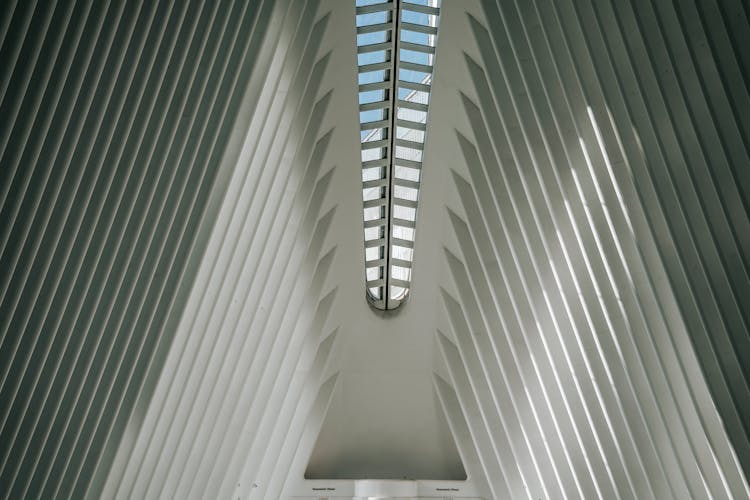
<point x="409" y="163"/>
<point x="397" y="181"/>
<point x="402" y="243"/>
<point x="417" y="47"/>
<point x="366" y="68"/>
<point x="384" y="124"/>
<point x="400" y="263"/>
<point x="382" y="143"/>
<point x="421" y="87"/>
<point x="395" y="19"/>
<point x="373" y="28"/>
<point x="419" y="28"/>
<point x="404" y="223"/>
<point x="403" y="202"/>
<point x="376" y="283"/>
<point x="380" y="162"/>
<point x="375" y="183"/>
<point x="422" y="68"/>
<point x="376" y="7"/>
<point x="410" y="124"/>
<point x="368" y="87"/>
<point x="422" y="9"/>
<point x="409" y="144"/>
<point x="400" y="283"/>
<point x="392" y="140"/>
<point x="379" y="202"/>
<point x="409" y="105"/>
<point x="374" y="47"/>
<point x="375" y="223"/>
<point x="369" y="106"/>
<point x="375" y="243"/>
<point x="376" y="263"/>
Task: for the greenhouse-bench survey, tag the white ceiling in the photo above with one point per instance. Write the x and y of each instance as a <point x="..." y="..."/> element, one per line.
<point x="182" y="300"/>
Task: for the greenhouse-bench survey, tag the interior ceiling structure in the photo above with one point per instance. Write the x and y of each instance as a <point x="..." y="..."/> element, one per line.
<point x="395" y="60"/>
<point x="182" y="309"/>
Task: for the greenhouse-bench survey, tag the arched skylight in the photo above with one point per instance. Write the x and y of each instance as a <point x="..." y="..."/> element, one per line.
<point x="395" y="53"/>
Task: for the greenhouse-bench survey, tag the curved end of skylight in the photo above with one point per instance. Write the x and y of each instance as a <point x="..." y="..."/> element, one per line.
<point x="399" y="297"/>
<point x="396" y="42"/>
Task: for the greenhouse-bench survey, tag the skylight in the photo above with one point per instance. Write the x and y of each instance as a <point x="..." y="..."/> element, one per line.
<point x="395" y="52"/>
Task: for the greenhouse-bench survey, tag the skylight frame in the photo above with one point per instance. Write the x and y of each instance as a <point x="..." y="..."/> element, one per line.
<point x="394" y="93"/>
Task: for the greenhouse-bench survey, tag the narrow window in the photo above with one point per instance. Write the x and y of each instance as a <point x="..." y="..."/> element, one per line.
<point x="396" y="42"/>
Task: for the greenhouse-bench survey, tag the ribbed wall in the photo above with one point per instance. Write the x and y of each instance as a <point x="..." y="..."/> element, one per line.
<point x="249" y="348"/>
<point x="116" y="117"/>
<point x="599" y="295"/>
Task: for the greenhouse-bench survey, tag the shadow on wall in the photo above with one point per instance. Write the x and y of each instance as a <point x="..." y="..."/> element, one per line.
<point x="248" y="324"/>
<point x="112" y="131"/>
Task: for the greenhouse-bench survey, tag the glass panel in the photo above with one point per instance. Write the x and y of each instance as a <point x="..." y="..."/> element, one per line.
<point x="372" y="115"/>
<point x="408" y="153"/>
<point x="373" y="154"/>
<point x="405" y="193"/>
<point x="411" y="115"/>
<point x="409" y="174"/>
<point x="373" y="193"/>
<point x="377" y="127"/>
<point x="372" y="76"/>
<point x="371" y="96"/>
<point x="401" y="273"/>
<point x="372" y="57"/>
<point x="406" y="213"/>
<point x="410" y="75"/>
<point x="405" y="233"/>
<point x="374" y="273"/>
<point x="402" y="253"/>
<point x="374" y="233"/>
<point x="410" y="16"/>
<point x="415" y="57"/>
<point x="372" y="18"/>
<point x="415" y="37"/>
<point x="373" y="253"/>
<point x="374" y="134"/>
<point x="414" y="95"/>
<point x="372" y="213"/>
<point x="372" y="38"/>
<point x="371" y="174"/>
<point x="410" y="134"/>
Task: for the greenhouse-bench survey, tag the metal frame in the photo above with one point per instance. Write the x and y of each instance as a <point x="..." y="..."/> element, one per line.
<point x="380" y="146"/>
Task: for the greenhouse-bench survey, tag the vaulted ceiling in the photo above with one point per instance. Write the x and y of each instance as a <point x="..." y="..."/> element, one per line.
<point x="182" y="284"/>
